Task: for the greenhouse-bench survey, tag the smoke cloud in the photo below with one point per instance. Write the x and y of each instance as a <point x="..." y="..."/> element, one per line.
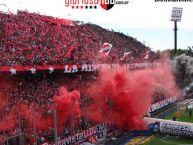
<point x="183" y="69"/>
<point x="120" y="96"/>
<point x="125" y="96"/>
<point x="67" y="106"/>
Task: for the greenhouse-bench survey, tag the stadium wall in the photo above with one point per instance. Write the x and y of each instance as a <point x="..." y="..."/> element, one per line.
<point x="162" y="103"/>
<point x="169" y="127"/>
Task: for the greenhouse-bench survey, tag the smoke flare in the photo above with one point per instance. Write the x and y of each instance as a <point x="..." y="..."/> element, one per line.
<point x="125" y="96"/>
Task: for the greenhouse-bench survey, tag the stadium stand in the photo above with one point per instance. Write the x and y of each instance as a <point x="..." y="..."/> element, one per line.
<point x="29" y="39"/>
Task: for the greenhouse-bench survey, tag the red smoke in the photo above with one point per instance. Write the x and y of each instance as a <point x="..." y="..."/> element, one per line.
<point x="67" y="104"/>
<point x="8" y="123"/>
<point x="3" y="100"/>
<point x="31" y="114"/>
<point x="1" y="140"/>
<point x="125" y="96"/>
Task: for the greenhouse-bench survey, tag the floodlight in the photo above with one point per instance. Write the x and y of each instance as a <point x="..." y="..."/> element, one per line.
<point x="176" y="14"/>
<point x="176" y="17"/>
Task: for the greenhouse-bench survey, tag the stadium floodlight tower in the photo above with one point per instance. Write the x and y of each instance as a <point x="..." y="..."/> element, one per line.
<point x="176" y="17"/>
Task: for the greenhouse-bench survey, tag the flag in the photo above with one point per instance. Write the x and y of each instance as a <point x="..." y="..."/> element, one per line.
<point x="125" y="54"/>
<point x="69" y="53"/>
<point x="106" y="48"/>
<point x="145" y="54"/>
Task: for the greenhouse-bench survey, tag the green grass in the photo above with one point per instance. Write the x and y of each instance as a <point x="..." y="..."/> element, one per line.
<point x="160" y="139"/>
<point x="169" y="140"/>
<point x="184" y="117"/>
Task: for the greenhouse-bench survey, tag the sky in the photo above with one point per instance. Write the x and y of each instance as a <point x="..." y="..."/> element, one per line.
<point x="146" y="20"/>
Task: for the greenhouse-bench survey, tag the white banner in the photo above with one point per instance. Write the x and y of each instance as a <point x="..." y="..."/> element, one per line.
<point x="161" y="104"/>
<point x="94" y="67"/>
<point x="170" y="127"/>
<point x="81" y="136"/>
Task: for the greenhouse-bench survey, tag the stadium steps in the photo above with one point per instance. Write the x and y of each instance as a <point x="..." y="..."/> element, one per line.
<point x="161" y="113"/>
<point x="187" y="101"/>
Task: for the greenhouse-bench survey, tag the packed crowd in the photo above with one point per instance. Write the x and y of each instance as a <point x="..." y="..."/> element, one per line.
<point x="32" y="39"/>
<point x="40" y="89"/>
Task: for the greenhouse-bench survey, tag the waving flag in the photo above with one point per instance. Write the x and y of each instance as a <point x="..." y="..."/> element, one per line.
<point x="69" y="53"/>
<point x="106" y="48"/>
<point x="125" y="55"/>
<point x="145" y="54"/>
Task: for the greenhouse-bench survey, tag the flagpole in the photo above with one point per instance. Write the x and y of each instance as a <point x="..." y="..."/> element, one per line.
<point x="20" y="132"/>
<point x="71" y="117"/>
<point x="111" y="107"/>
<point x="99" y="106"/>
<point x="55" y="127"/>
<point x="99" y="102"/>
<point x="3" y="127"/>
<point x="99" y="98"/>
<point x="7" y="139"/>
<point x="34" y="125"/>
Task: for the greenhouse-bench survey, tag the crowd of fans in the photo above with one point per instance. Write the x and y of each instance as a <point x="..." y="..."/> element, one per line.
<point x="40" y="89"/>
<point x="32" y="39"/>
